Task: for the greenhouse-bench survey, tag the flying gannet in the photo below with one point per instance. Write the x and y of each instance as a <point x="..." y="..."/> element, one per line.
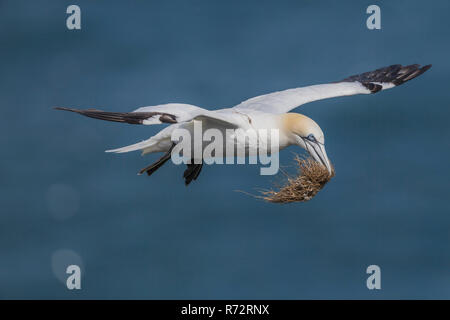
<point x="269" y="111"/>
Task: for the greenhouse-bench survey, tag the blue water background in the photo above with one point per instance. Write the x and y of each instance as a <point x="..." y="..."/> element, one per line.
<point x="154" y="238"/>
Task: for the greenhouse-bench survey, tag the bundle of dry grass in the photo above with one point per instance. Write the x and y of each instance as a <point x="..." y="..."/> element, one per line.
<point x="312" y="177"/>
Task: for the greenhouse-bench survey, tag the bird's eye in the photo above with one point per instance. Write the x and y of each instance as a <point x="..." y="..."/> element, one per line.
<point x="311" y="138"/>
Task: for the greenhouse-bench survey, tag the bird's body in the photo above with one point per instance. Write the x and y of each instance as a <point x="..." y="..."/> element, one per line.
<point x="244" y="121"/>
<point x="263" y="113"/>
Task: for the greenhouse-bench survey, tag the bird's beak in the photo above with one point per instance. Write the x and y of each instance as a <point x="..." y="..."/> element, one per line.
<point x="317" y="151"/>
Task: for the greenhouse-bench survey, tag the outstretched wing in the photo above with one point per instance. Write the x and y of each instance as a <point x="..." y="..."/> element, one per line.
<point x="165" y="113"/>
<point x="365" y="83"/>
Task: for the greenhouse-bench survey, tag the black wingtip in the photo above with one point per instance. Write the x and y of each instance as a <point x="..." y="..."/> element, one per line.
<point x="395" y="74"/>
<point x="126" y="117"/>
<point x="424" y="69"/>
<point x="67" y="109"/>
<point x="427" y="67"/>
<point x="410" y="72"/>
<point x="60" y="108"/>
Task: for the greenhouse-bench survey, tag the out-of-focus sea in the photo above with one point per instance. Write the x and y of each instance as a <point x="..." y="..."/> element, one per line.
<point x="64" y="201"/>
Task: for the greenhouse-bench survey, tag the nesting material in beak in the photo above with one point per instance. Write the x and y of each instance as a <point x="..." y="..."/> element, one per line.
<point x="312" y="177"/>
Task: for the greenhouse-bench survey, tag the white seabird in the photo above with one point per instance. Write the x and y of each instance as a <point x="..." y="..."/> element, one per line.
<point x="269" y="111"/>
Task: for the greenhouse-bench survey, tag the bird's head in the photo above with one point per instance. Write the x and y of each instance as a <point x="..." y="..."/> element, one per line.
<point x="307" y="134"/>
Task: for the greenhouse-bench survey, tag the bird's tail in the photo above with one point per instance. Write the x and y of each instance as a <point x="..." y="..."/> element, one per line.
<point x="134" y="147"/>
